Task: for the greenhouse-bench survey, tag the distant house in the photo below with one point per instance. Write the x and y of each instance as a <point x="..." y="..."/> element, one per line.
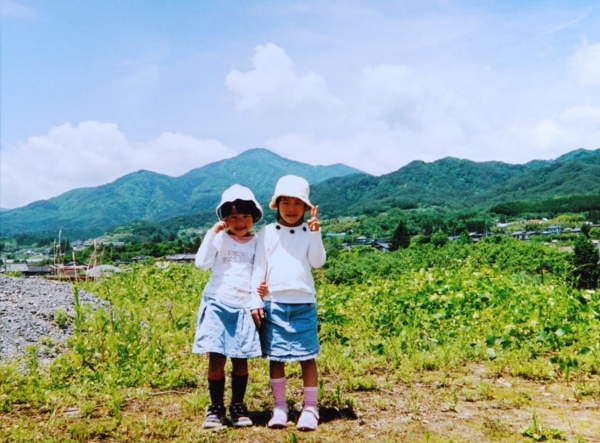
<point x="16" y="267"/>
<point x="382" y="245"/>
<point x="520" y="235"/>
<point x="181" y="258"/>
<point x="552" y="230"/>
<point x="39" y="269"/>
<point x="26" y="269"/>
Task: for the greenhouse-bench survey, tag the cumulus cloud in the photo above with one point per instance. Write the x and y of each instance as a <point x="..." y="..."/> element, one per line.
<point x="520" y="141"/>
<point x="91" y="154"/>
<point x="175" y="154"/>
<point x="391" y="113"/>
<point x="575" y="127"/>
<point x="273" y="86"/>
<point x="372" y="150"/>
<point x="585" y="65"/>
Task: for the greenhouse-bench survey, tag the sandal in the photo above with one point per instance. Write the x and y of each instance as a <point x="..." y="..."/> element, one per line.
<point x="279" y="418"/>
<point x="309" y="419"/>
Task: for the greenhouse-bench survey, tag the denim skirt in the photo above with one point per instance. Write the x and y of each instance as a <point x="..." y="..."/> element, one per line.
<point x="289" y="332"/>
<point x="225" y="330"/>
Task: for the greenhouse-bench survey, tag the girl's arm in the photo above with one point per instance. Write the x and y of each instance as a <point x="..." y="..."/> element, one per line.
<point x="316" y="250"/>
<point x="259" y="272"/>
<point x="207" y="253"/>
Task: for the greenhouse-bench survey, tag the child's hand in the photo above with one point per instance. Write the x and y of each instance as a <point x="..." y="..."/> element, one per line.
<point x="313" y="221"/>
<point x="219" y="226"/>
<point x="263" y="289"/>
<point x="257" y="316"/>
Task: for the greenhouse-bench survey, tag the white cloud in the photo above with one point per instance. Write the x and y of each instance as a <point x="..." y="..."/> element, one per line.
<point x="575" y="127"/>
<point x="585" y="65"/>
<point x="91" y="154"/>
<point x="175" y="154"/>
<point x="367" y="150"/>
<point x="390" y="92"/>
<point x="273" y="86"/>
<point x="520" y="141"/>
<point x="391" y="113"/>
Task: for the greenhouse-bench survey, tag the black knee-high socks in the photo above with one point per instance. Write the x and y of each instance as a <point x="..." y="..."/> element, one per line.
<point x="216" y="388"/>
<point x="238" y="388"/>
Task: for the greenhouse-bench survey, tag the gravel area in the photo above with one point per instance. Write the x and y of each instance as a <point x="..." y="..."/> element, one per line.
<point x="27" y="315"/>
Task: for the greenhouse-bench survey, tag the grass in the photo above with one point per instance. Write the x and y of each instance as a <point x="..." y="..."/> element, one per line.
<point x="405" y="357"/>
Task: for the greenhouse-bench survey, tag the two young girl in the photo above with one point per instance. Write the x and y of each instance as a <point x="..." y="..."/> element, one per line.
<point x="282" y="301"/>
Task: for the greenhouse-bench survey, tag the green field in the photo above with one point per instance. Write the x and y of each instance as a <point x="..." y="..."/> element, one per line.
<point x="469" y="342"/>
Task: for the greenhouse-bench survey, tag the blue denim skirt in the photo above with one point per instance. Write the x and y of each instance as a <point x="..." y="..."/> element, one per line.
<point x="289" y="332"/>
<point x="225" y="330"/>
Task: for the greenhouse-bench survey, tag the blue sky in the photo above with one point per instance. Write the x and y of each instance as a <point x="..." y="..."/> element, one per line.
<point x="92" y="90"/>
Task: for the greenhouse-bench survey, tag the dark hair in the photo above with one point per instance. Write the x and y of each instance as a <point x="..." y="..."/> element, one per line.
<point x="242" y="207"/>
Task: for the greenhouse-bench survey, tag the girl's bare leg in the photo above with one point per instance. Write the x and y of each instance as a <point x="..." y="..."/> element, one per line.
<point x="310" y="374"/>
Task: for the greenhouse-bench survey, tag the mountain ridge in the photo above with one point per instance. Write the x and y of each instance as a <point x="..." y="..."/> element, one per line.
<point x="150" y="196"/>
<point x="338" y="189"/>
<point x="460" y="184"/>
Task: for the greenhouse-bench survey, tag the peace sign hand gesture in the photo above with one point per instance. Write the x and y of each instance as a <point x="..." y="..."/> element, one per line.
<point x="313" y="221"/>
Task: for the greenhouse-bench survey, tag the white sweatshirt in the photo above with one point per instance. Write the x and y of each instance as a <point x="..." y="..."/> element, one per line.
<point x="231" y="263"/>
<point x="284" y="257"/>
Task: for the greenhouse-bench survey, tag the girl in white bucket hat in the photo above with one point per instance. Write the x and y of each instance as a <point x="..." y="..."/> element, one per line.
<point x="225" y="326"/>
<point x="285" y="254"/>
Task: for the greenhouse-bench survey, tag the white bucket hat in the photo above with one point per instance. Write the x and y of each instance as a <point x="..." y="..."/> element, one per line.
<point x="291" y="186"/>
<point x="238" y="192"/>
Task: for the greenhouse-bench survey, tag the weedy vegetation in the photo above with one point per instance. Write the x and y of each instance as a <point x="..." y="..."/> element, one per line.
<point x="465" y="342"/>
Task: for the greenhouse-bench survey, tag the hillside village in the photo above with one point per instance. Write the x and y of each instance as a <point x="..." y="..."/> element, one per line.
<point x="32" y="262"/>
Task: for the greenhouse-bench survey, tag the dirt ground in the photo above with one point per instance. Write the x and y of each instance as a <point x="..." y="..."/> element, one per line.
<point x="459" y="413"/>
<point x="469" y="408"/>
<point x="438" y="408"/>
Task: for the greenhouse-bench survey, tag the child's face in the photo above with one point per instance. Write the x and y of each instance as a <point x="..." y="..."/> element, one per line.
<point x="239" y="224"/>
<point x="291" y="210"/>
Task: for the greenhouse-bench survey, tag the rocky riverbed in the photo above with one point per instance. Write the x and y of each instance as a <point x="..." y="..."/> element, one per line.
<point x="28" y="308"/>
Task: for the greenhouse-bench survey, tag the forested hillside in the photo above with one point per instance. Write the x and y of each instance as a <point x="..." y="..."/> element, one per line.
<point x="149" y="196"/>
<point x="449" y="183"/>
<point x="461" y="184"/>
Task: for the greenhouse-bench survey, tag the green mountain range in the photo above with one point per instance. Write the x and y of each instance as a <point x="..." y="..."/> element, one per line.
<point x="338" y="189"/>
<point x="149" y="196"/>
<point x="460" y="184"/>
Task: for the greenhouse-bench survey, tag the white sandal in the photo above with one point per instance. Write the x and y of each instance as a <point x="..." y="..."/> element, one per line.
<point x="309" y="419"/>
<point x="279" y="419"/>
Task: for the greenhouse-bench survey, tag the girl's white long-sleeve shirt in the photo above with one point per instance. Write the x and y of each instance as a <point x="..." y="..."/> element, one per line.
<point x="284" y="258"/>
<point x="231" y="262"/>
